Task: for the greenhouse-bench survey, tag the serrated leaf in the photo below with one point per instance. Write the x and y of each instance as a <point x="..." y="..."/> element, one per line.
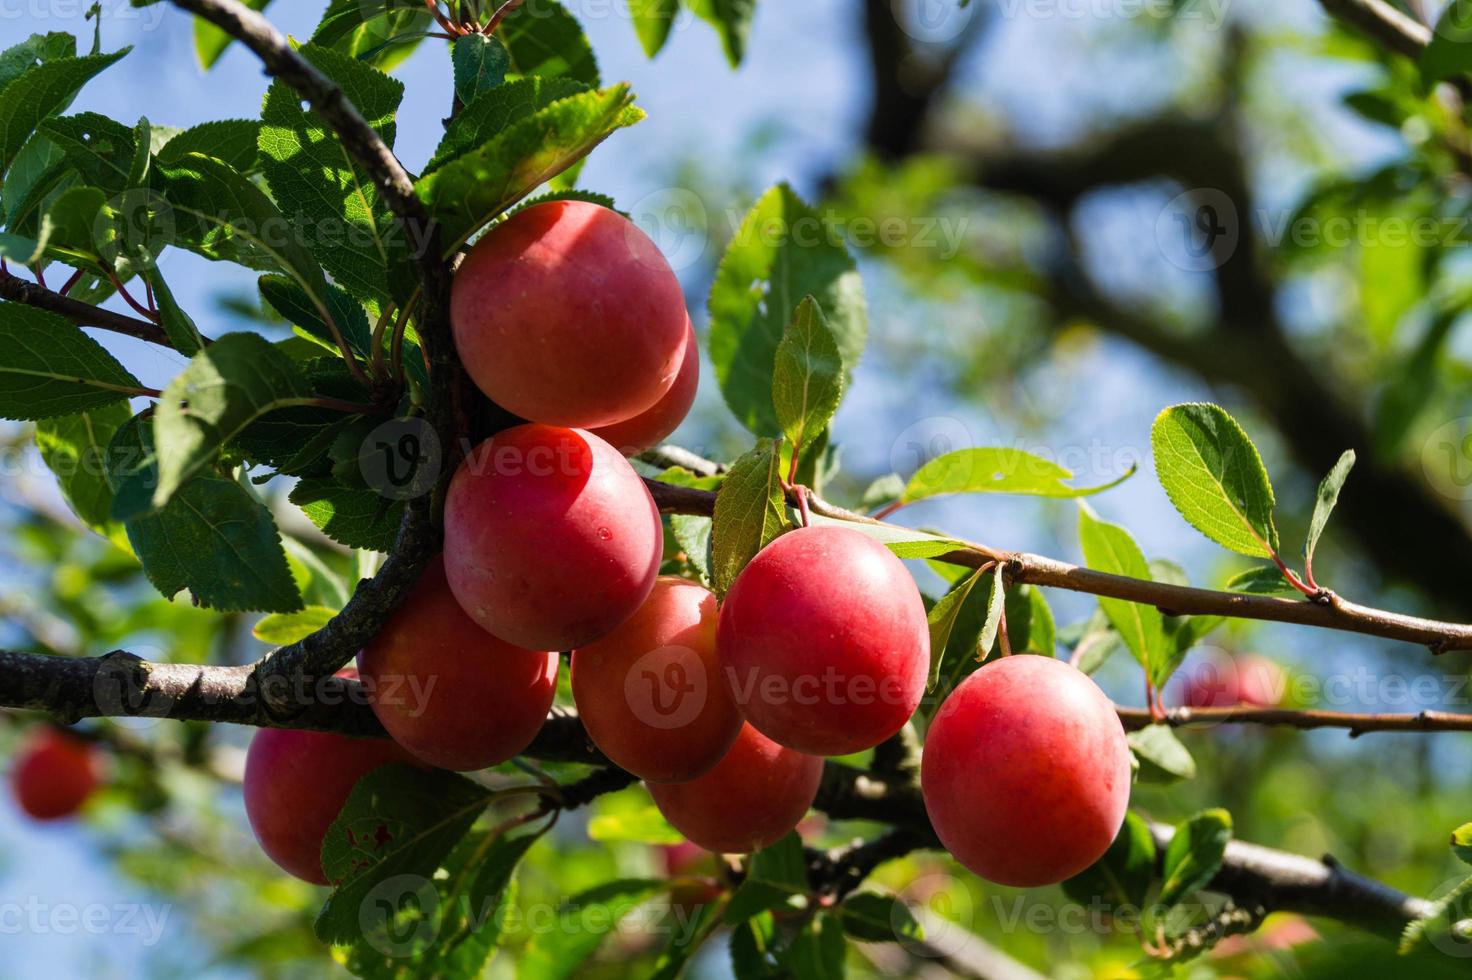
<point x="471" y="190"/>
<point x="653" y="21"/>
<point x="807" y="375"/>
<point x="1194" y="854"/>
<point x="74" y="447"/>
<point x="779" y="254"/>
<point x="1109" y="548"/>
<point x="70" y="226"/>
<point x="38" y="48"/>
<point x="544" y="39"/>
<point x="1122" y="876"/>
<point x="213" y="538"/>
<point x="210" y="41"/>
<point x="750" y="513"/>
<point x="942" y="619"/>
<point x="52" y="368"/>
<point x="873" y="918"/>
<point x="1262" y="580"/>
<point x="100" y="149"/>
<point x="294" y="304"/>
<point x="645" y="826"/>
<point x="224" y="388"/>
<point x="996" y="470"/>
<point x="775" y="876"/>
<point x="1214" y="476"/>
<point x="352" y="516"/>
<point x="398" y="821"/>
<point x="314" y="178"/>
<point x="732" y="21"/>
<point x="1325" y="500"/>
<point x="1449" y="914"/>
<point x="1163" y="759"/>
<point x="492" y="112"/>
<point x="39" y="92"/>
<point x="480" y="62"/>
<point x="231" y="141"/>
<point x="280" y="629"/>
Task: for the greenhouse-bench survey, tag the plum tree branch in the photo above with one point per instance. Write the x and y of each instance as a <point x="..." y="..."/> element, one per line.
<point x="1331" y="612"/>
<point x="1355" y="723"/>
<point x="19" y="290"/>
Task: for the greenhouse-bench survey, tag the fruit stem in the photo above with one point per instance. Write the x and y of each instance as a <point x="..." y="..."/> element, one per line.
<point x="501" y="13"/>
<point x="888" y="509"/>
<point x="138" y="307"/>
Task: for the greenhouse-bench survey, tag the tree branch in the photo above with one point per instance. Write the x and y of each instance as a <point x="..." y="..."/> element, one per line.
<point x="1356" y="724"/>
<point x="1394" y="30"/>
<point x="19" y="290"/>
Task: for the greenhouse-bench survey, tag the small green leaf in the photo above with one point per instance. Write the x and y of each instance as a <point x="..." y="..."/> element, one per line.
<point x="873" y="918"/>
<point x="279" y="629"/>
<point x="75" y="449"/>
<point x="544" y="39"/>
<point x="1163" y="759"/>
<point x="996" y="470"/>
<point x="1214" y="476"/>
<point x="749" y="514"/>
<point x="495" y="110"/>
<point x="1122" y="876"/>
<point x="782" y="252"/>
<point x="996" y="605"/>
<point x="732" y="21"/>
<point x="1109" y="548"/>
<point x="223" y="389"/>
<point x="480" y="63"/>
<point x="776" y="876"/>
<point x="1194" y="854"/>
<point x="1324" y="503"/>
<point x="645" y="826"/>
<point x="1262" y="580"/>
<point x="52" y="368"/>
<point x="210" y="41"/>
<point x="1462" y="843"/>
<point x="807" y="377"/>
<point x="942" y="618"/>
<point x="817" y="952"/>
<point x="39" y="92"/>
<point x="653" y="21"/>
<point x="476" y="187"/>
<point x="398" y="821"/>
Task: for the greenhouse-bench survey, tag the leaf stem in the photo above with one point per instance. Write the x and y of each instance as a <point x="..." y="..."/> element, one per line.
<point x="139" y="308"/>
<point x="501" y="14"/>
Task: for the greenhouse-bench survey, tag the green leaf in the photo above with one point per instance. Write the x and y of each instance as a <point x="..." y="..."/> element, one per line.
<point x="1194" y="854"/>
<point x="645" y="826"/>
<point x="223" y="389"/>
<point x="732" y="21"/>
<point x="234" y="142"/>
<point x="315" y="180"/>
<point x="942" y="619"/>
<point x="776" y="876"/>
<point x="177" y="324"/>
<point x="1163" y="759"/>
<point x="75" y="449"/>
<point x="903" y="541"/>
<point x="807" y="376"/>
<point x="874" y="918"/>
<point x="494" y="111"/>
<point x="1030" y="626"/>
<point x="1097" y="642"/>
<point x="653" y="21"/>
<point x="1262" y="580"/>
<point x="296" y="306"/>
<point x="686" y="941"/>
<point x="781" y="252"/>
<point x="750" y="941"/>
<point x="583" y="922"/>
<point x="476" y="187"/>
<point x="40" y="170"/>
<point x="996" y="470"/>
<point x="38" y="93"/>
<point x="1448" y="916"/>
<point x="750" y="513"/>
<point x="1449" y="53"/>
<point x="1462" y="843"/>
<point x="398" y="821"/>
<point x="213" y="538"/>
<point x="480" y="63"/>
<point x="1214" y="476"/>
<point x="1109" y="548"/>
<point x="210" y="41"/>
<point x="279" y="629"/>
<point x="353" y="516"/>
<point x="1122" y="876"/>
<point x="692" y="532"/>
<point x="70" y="226"/>
<point x="1324" y="503"/>
<point x="52" y="368"/>
<point x="817" y="952"/>
<point x="100" y="149"/>
<point x="995" y="606"/>
<point x="544" y="39"/>
<point x="38" y="48"/>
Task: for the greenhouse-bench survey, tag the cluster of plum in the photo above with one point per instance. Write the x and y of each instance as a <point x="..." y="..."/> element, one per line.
<point x="567" y="315"/>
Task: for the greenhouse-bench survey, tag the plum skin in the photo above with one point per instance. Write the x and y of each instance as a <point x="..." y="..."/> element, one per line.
<point x="653" y="425"/>
<point x="1026" y="772"/>
<point x="551" y="538"/>
<point x="54" y="773"/>
<point x="567" y="313"/>
<point x="755" y="796"/>
<point x="651" y="693"/>
<point x="824" y="641"/>
<point x="450" y="693"/>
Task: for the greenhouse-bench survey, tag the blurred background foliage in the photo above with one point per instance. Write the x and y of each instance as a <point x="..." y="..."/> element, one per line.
<point x="1045" y="164"/>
